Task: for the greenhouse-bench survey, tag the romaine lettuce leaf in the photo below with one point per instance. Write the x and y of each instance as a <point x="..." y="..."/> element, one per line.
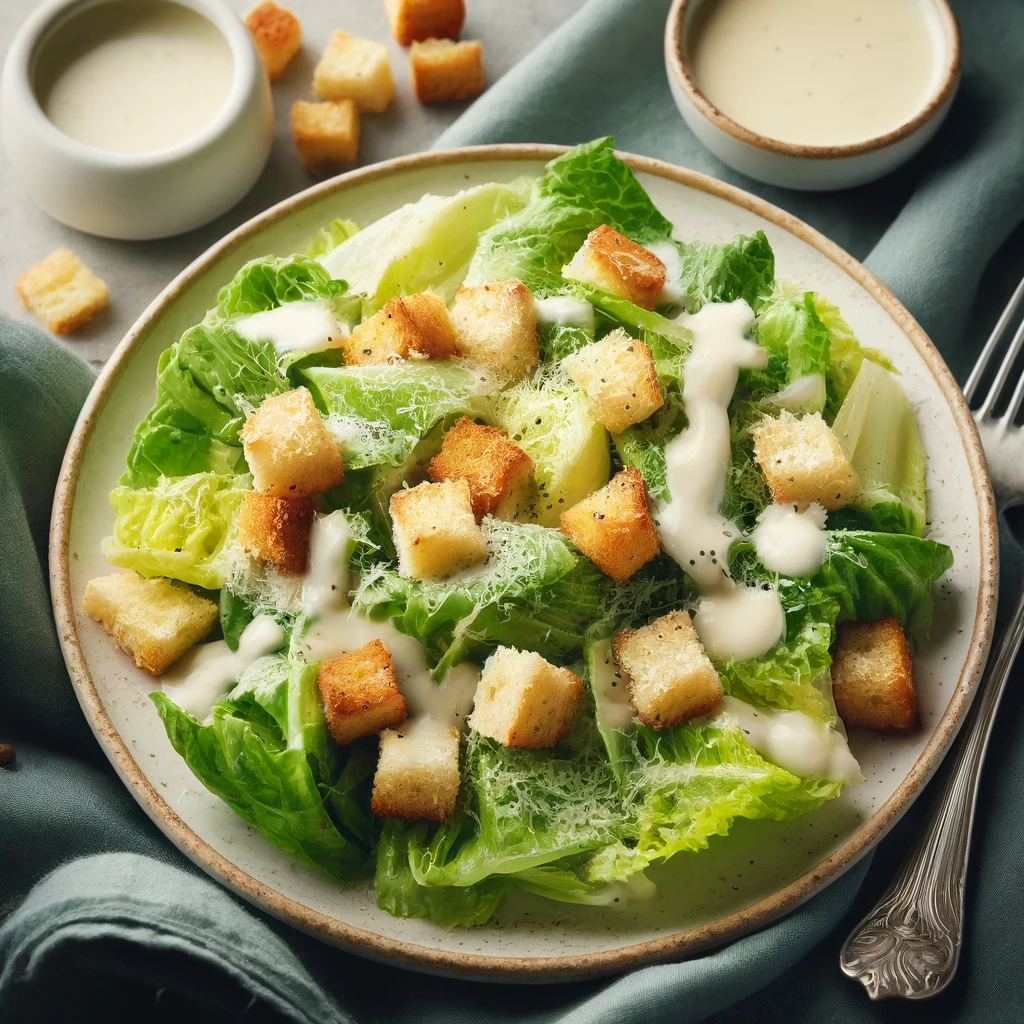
<point x="579" y="191"/>
<point x="267" y="754"/>
<point x="725" y="271"/>
<point x="331" y="236"/>
<point x="272" y="281"/>
<point x="180" y="527"/>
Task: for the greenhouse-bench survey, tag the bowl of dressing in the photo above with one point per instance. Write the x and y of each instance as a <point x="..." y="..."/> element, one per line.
<point x="813" y="94"/>
<point x="135" y="119"/>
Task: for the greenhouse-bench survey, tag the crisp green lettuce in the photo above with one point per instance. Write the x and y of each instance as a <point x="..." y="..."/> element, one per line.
<point x="331" y="237"/>
<point x="579" y="191"/>
<point x="272" y="281"/>
<point x="266" y="753"/>
<point x="725" y="271"/>
<point x="181" y="527"/>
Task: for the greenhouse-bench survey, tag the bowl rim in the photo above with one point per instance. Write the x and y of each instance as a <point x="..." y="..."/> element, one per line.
<point x="19" y="73"/>
<point x="474" y="965"/>
<point x="677" y="65"/>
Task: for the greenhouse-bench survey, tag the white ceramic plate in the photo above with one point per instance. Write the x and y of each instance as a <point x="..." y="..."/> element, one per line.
<point x="762" y="869"/>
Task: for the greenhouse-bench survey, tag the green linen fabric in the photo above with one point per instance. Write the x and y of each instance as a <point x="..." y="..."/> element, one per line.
<point x="100" y="914"/>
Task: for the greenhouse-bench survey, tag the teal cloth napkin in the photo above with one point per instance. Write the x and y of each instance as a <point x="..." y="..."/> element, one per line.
<point x="99" y="913"/>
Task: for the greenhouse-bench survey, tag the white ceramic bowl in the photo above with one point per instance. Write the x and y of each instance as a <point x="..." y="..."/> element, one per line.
<point x="144" y="195"/>
<point x="813" y="168"/>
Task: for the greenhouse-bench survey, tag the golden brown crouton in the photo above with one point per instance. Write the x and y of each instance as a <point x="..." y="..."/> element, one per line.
<point x="417" y="772"/>
<point x="289" y="450"/>
<point x="435" y="531"/>
<point x="618" y="265"/>
<point x="442" y="70"/>
<point x="360" y="693"/>
<point x="411" y="327"/>
<point x="153" y="620"/>
<point x="613" y="527"/>
<point x="277" y="530"/>
<point x="668" y="674"/>
<point x="524" y="701"/>
<point x="488" y="460"/>
<point x="412" y="21"/>
<point x="357" y="70"/>
<point x="873" y="677"/>
<point x="277" y="34"/>
<point x="326" y="135"/>
<point x="62" y="291"/>
<point x="619" y="378"/>
<point x="803" y="462"/>
<point x="496" y="328"/>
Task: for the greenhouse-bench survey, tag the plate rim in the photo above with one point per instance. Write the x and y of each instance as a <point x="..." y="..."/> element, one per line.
<point x="363" y="941"/>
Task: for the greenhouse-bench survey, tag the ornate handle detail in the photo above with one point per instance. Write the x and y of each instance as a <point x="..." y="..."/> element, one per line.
<point x="909" y="945"/>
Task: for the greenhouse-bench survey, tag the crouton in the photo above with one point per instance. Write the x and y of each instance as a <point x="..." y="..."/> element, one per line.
<point x="357" y="70"/>
<point x="289" y="450"/>
<point x="803" y="462"/>
<point x="442" y="70"/>
<point x="153" y="620"/>
<point x="277" y="34"/>
<point x="360" y="693"/>
<point x="620" y="266"/>
<point x="417" y="773"/>
<point x="413" y="21"/>
<point x="669" y="676"/>
<point x="62" y="291"/>
<point x="619" y="378"/>
<point x="613" y="527"/>
<point x="496" y="328"/>
<point x="326" y="135"/>
<point x="277" y="530"/>
<point x="493" y="465"/>
<point x="435" y="530"/>
<point x="873" y="677"/>
<point x="412" y="327"/>
<point x="524" y="701"/>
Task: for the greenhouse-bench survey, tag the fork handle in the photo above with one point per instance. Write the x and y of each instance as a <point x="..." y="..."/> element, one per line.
<point x="909" y="945"/>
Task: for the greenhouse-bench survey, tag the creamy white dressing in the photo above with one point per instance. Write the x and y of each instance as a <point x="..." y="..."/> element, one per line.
<point x="816" y="72"/>
<point x="672" y="291"/>
<point x="208" y="672"/>
<point x="805" y="394"/>
<point x="794" y="741"/>
<point x="732" y="621"/>
<point x="790" y="540"/>
<point x="611" y="695"/>
<point x="302" y="326"/>
<point x="132" y="77"/>
<point x="325" y="586"/>
<point x="565" y="311"/>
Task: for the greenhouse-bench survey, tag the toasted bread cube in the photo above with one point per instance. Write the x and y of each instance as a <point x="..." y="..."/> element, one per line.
<point x="803" y="462"/>
<point x="435" y="530"/>
<point x="873" y="677"/>
<point x="289" y="450"/>
<point x="613" y="526"/>
<point x="619" y="378"/>
<point x="153" y="620"/>
<point x="357" y="70"/>
<point x="360" y="693"/>
<point x="669" y="676"/>
<point x="417" y="773"/>
<point x="412" y="21"/>
<point x="412" y="327"/>
<point x="326" y="135"/>
<point x="524" y="701"/>
<point x="442" y="70"/>
<point x="62" y="291"/>
<point x="496" y="328"/>
<point x="618" y="265"/>
<point x="493" y="465"/>
<point x="277" y="34"/>
<point x="277" y="530"/>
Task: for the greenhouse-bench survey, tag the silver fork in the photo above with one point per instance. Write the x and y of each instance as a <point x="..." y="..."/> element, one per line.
<point x="909" y="945"/>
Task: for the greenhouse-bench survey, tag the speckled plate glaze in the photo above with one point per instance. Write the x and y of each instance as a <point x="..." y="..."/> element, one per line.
<point x="763" y="869"/>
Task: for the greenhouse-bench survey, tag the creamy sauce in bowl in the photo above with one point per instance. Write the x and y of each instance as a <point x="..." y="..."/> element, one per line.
<point x="816" y="72"/>
<point x="134" y="77"/>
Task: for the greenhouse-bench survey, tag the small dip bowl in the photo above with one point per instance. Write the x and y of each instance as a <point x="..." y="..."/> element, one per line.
<point x="155" y="193"/>
<point x="811" y="167"/>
